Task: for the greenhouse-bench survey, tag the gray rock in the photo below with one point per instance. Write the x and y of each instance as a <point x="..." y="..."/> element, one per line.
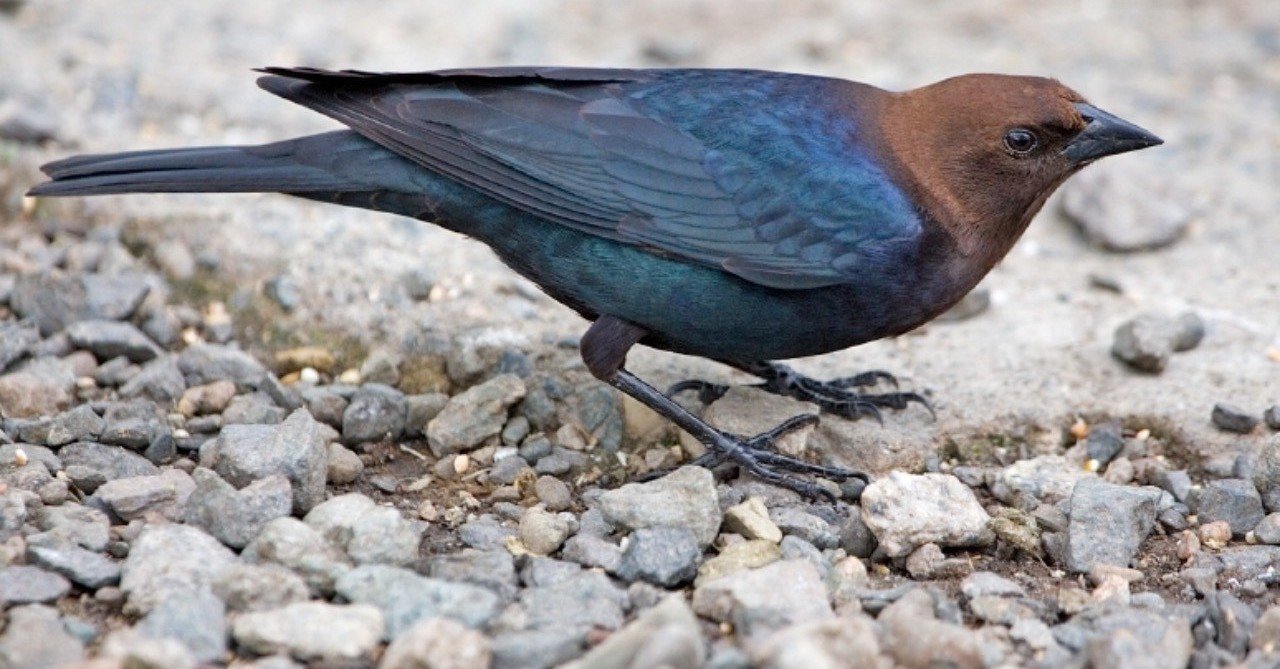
<point x="665" y="556"/>
<point x="233" y="516"/>
<point x="34" y="638"/>
<point x="1234" y="621"/>
<point x="168" y="561"/>
<point x="905" y="511"/>
<point x="116" y="372"/>
<point x="252" y="409"/>
<point x="1044" y="479"/>
<point x="78" y="424"/>
<point x="474" y="416"/>
<point x="542" y="532"/>
<point x="112" y="462"/>
<point x="283" y="290"/>
<point x="53" y="302"/>
<point x="1268" y="531"/>
<point x="1272" y="417"/>
<point x="535" y="448"/>
<point x="988" y="584"/>
<point x="344" y="465"/>
<point x="137" y="651"/>
<point x="420" y="410"/>
<point x="438" y="642"/>
<point x="1122" y="208"/>
<point x="663" y="636"/>
<point x="294" y="449"/>
<point x="1133" y="638"/>
<point x="296" y="545"/>
<point x="325" y="405"/>
<point x="541" y="571"/>
<point x="174" y="259"/>
<point x="1107" y="523"/>
<point x="766" y="599"/>
<point x="370" y="534"/>
<point x="166" y="493"/>
<point x="582" y="601"/>
<point x="25" y="394"/>
<point x="592" y="551"/>
<point x="750" y="519"/>
<point x="494" y="570"/>
<point x="34" y="453"/>
<point x="684" y="498"/>
<point x="561" y="461"/>
<point x="84" y="526"/>
<point x="25" y="584"/>
<point x="595" y="409"/>
<point x="793" y="547"/>
<point x="507" y="470"/>
<point x="551" y="491"/>
<point x="914" y="636"/>
<point x="159" y="380"/>
<point x="135" y="424"/>
<point x="30" y="477"/>
<point x="1266" y="633"/>
<point x="375" y="413"/>
<point x="855" y="537"/>
<point x="206" y="363"/>
<point x="86" y="568"/>
<point x="535" y="649"/>
<point x="843" y="642"/>
<point x="13" y="515"/>
<point x="259" y="587"/>
<point x="486" y="534"/>
<point x="474" y="354"/>
<point x="1235" y="501"/>
<point x="1249" y="562"/>
<point x="1231" y="418"/>
<point x="515" y="431"/>
<point x="1145" y="343"/>
<point x="196" y="620"/>
<point x="1104" y="442"/>
<point x="1266" y="473"/>
<point x="405" y="597"/>
<point x="312" y="631"/>
<point x="1176" y="483"/>
<point x="108" y="339"/>
<point x="804" y="525"/>
<point x="16" y="340"/>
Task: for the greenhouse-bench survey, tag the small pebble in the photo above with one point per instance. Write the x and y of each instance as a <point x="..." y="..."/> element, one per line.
<point x="1231" y="418"/>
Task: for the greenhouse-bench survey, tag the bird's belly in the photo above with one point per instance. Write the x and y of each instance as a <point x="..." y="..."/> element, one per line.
<point x="698" y="310"/>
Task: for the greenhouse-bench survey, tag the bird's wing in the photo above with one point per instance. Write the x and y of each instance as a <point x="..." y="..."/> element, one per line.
<point x="724" y="168"/>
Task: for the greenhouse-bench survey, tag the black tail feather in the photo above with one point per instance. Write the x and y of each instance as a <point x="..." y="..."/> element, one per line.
<point x="215" y="169"/>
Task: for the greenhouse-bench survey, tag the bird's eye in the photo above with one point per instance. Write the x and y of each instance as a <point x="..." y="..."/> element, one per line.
<point x="1020" y="141"/>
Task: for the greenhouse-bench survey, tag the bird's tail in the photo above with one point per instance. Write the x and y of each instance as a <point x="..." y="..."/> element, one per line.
<point x="282" y="167"/>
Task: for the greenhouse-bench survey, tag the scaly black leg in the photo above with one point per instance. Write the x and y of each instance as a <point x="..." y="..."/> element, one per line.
<point x="755" y="455"/>
<point x="604" y="349"/>
<point x="835" y="396"/>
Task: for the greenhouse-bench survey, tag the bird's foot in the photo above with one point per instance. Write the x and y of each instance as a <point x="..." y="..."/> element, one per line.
<point x="837" y="396"/>
<point x="756" y="456"/>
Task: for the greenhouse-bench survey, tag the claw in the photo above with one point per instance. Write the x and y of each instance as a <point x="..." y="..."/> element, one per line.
<point x="865" y="379"/>
<point x="708" y="392"/>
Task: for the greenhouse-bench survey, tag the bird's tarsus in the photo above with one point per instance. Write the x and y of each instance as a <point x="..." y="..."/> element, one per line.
<point x="756" y="456"/>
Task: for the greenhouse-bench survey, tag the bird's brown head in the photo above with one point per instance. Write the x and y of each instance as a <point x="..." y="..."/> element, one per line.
<point x="987" y="150"/>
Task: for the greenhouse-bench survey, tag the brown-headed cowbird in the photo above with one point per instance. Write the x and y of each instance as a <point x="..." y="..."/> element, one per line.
<point x="743" y="216"/>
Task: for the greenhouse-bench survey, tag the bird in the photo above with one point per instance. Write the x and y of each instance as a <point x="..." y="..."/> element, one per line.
<point x="744" y="216"/>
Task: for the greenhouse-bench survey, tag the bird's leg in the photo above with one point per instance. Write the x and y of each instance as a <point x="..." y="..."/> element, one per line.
<point x="604" y="349"/>
<point x="838" y="396"/>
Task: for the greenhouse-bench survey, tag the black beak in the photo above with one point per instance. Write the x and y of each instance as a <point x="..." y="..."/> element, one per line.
<point x="1106" y="135"/>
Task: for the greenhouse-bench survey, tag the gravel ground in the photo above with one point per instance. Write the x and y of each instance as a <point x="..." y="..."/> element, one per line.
<point x="249" y="431"/>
